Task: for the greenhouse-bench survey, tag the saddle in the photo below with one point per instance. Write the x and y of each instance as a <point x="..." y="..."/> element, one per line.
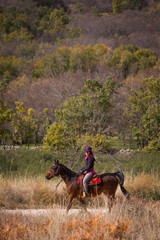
<point x="93" y="181"/>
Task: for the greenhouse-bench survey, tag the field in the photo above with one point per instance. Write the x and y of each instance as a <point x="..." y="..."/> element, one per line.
<point x="26" y="192"/>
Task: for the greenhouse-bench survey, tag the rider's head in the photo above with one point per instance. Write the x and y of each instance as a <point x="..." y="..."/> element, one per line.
<point x="88" y="150"/>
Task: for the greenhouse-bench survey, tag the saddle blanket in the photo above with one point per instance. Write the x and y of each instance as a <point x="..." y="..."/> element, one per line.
<point x="94" y="180"/>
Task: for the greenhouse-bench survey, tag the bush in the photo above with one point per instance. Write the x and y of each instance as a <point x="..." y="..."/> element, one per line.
<point x="80" y="57"/>
<point x="121" y="5"/>
<point x="56" y="138"/>
<point x="127" y="56"/>
<point x="95" y="141"/>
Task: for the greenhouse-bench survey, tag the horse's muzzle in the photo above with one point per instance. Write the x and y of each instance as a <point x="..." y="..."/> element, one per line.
<point x="48" y="178"/>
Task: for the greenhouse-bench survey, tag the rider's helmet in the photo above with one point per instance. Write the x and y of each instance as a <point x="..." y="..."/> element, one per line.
<point x="88" y="149"/>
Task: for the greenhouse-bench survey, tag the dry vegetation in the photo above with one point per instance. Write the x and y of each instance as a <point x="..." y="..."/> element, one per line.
<point x="137" y="219"/>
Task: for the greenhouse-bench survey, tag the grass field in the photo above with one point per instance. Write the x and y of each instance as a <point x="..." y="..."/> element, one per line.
<point x="37" y="162"/>
<point x="23" y="186"/>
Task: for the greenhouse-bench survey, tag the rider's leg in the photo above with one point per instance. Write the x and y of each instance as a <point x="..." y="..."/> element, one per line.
<point x="86" y="179"/>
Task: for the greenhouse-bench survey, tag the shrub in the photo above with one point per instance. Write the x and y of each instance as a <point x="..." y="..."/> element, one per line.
<point x="80" y="57"/>
<point x="56" y="138"/>
<point x="121" y="5"/>
<point x="127" y="56"/>
<point x="95" y="141"/>
<point x="145" y="186"/>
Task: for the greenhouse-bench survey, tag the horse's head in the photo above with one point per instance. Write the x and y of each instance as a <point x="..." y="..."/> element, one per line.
<point x="54" y="171"/>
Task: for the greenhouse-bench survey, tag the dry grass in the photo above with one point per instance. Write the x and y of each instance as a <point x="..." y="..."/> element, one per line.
<point x="137" y="219"/>
<point x="132" y="220"/>
<point x="30" y="192"/>
<point x="145" y="186"/>
<point x="37" y="192"/>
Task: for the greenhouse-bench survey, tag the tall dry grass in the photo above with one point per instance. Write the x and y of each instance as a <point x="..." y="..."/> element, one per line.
<point x="30" y="192"/>
<point x="37" y="192"/>
<point x="137" y="219"/>
<point x="134" y="220"/>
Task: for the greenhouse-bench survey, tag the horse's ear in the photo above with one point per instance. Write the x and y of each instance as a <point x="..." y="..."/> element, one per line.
<point x="56" y="162"/>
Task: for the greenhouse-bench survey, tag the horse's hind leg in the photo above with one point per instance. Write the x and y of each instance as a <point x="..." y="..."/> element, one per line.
<point x="111" y="202"/>
<point x="111" y="199"/>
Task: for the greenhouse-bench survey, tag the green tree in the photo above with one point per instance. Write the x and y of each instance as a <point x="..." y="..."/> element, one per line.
<point x="10" y="68"/>
<point x="145" y="111"/>
<point x="86" y="113"/>
<point x="59" y="19"/>
<point x="121" y="5"/>
<point x="30" y="125"/>
<point x="18" y="122"/>
<point x="127" y="56"/>
<point x="5" y="119"/>
<point x="117" y="6"/>
<point x="80" y="57"/>
<point x="57" y="137"/>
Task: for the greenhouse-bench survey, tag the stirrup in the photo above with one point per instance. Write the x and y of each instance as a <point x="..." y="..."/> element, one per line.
<point x="85" y="195"/>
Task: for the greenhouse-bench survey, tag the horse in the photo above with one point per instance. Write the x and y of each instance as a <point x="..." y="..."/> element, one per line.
<point x="108" y="185"/>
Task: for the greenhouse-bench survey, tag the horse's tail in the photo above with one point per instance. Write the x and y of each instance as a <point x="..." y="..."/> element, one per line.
<point x="120" y="177"/>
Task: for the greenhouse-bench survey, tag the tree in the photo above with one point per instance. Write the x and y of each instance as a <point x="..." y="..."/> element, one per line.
<point x="127" y="56"/>
<point x="121" y="5"/>
<point x="5" y="119"/>
<point x="144" y="108"/>
<point x="18" y="122"/>
<point x="30" y="125"/>
<point x="57" y="137"/>
<point x="87" y="113"/>
<point x="117" y="6"/>
<point x="23" y="122"/>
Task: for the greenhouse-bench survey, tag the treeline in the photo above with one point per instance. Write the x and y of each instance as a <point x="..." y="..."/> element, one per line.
<point x="60" y="91"/>
<point x="90" y="117"/>
<point x="127" y="59"/>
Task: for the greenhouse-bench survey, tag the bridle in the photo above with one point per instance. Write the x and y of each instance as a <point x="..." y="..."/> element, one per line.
<point x="55" y="173"/>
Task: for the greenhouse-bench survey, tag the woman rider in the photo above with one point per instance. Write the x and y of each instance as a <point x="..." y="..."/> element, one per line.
<point x="88" y="169"/>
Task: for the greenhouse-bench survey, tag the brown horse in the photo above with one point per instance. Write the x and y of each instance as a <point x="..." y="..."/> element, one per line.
<point x="108" y="185"/>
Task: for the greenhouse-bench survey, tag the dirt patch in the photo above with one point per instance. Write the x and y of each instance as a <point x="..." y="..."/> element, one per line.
<point x="43" y="212"/>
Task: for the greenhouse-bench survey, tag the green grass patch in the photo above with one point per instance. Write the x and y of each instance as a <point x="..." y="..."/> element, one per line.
<point x="37" y="162"/>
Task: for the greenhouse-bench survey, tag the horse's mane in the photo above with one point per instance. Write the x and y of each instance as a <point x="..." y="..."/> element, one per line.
<point x="67" y="170"/>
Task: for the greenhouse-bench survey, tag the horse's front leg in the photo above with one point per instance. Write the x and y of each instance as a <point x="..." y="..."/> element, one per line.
<point x="69" y="202"/>
<point x="82" y="203"/>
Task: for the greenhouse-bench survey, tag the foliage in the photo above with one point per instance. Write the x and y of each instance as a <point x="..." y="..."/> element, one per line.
<point x="57" y="137"/>
<point x="95" y="141"/>
<point x="11" y="20"/>
<point x="115" y="231"/>
<point x="60" y="19"/>
<point x="73" y="228"/>
<point x="5" y="118"/>
<point x="22" y="26"/>
<point x="145" y="112"/>
<point x="85" y="114"/>
<point x="139" y="186"/>
<point x="10" y="67"/>
<point x="84" y="58"/>
<point x="127" y="57"/>
<point x="74" y="33"/>
<point x="29" y="162"/>
<point x="121" y="5"/>
<point x="51" y="21"/>
<point x="18" y="122"/>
